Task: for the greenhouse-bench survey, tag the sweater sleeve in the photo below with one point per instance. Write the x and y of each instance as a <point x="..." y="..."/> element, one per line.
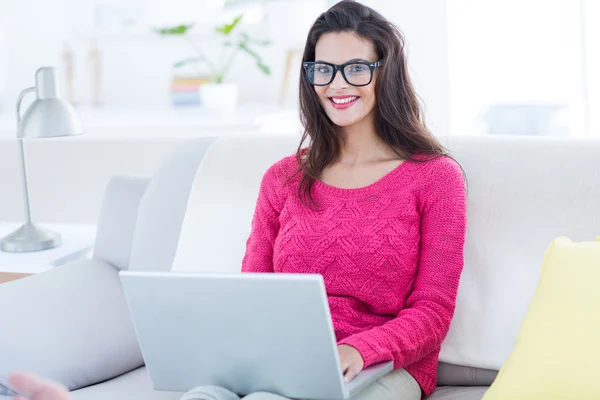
<point x="422" y="325"/>
<point x="265" y="223"/>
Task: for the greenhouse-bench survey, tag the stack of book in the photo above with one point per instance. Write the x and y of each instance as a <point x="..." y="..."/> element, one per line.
<point x="184" y="90"/>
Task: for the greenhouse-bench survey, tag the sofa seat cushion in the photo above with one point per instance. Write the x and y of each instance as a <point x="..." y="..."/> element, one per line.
<point x="130" y="386"/>
<point x="136" y="385"/>
<point x="70" y="324"/>
<point x="458" y="375"/>
<point x="458" y="393"/>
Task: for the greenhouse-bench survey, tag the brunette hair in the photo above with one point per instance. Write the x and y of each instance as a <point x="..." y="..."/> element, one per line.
<point x="398" y="116"/>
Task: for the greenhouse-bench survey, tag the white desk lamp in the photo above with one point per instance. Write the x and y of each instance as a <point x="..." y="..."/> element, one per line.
<point x="47" y="117"/>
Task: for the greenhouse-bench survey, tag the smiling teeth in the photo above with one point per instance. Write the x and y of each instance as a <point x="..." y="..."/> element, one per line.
<point x="344" y="101"/>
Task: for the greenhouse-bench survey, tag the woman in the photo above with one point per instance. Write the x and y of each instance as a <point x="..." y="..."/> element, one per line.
<point x="374" y="204"/>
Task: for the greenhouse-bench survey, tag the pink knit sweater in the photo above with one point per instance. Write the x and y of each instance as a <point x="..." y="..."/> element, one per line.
<point x="390" y="253"/>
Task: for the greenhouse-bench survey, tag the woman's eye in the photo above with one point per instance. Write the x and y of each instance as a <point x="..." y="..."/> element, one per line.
<point x="357" y="68"/>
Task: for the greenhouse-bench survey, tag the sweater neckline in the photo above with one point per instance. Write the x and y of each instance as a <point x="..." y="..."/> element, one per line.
<point x="364" y="190"/>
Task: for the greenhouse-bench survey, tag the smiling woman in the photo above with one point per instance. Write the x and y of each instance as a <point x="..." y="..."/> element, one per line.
<point x="350" y="88"/>
<point x="355" y="70"/>
<point x="373" y="204"/>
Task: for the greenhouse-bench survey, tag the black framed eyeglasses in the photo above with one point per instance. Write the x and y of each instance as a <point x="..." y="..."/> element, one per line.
<point x="356" y="73"/>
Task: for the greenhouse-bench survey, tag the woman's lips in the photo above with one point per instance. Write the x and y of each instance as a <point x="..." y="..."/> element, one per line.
<point x="343" y="102"/>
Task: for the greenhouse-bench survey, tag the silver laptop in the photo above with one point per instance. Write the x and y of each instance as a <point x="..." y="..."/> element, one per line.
<point x="244" y="332"/>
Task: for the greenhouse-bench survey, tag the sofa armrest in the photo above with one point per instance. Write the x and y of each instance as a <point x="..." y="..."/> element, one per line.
<point x="117" y="222"/>
<point x="70" y="324"/>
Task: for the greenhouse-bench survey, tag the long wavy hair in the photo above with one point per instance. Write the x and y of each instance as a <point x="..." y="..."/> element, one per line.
<point x="399" y="120"/>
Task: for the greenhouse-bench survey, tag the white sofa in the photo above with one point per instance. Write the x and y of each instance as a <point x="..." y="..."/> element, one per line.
<point x="71" y="323"/>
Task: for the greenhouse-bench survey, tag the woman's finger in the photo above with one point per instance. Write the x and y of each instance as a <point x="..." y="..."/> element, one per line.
<point x="25" y="384"/>
<point x="345" y="365"/>
<point x="351" y="373"/>
<point x="32" y="387"/>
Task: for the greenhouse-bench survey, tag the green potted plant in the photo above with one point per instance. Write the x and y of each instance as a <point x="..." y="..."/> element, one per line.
<point x="219" y="94"/>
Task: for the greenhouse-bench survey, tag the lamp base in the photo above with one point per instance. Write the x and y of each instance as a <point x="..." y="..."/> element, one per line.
<point x="30" y="238"/>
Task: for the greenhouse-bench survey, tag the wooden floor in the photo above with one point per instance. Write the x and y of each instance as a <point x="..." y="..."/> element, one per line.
<point x="10" y="276"/>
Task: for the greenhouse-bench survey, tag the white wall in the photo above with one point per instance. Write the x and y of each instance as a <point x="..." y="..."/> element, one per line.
<point x="34" y="31"/>
<point x="592" y="29"/>
<point x="3" y="57"/>
<point x="512" y="52"/>
<point x="424" y="25"/>
<point x="137" y="69"/>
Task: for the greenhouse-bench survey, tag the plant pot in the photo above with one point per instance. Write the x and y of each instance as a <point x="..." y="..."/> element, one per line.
<point x="218" y="97"/>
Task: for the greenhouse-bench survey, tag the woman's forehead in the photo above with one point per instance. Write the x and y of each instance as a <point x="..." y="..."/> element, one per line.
<point x="341" y="47"/>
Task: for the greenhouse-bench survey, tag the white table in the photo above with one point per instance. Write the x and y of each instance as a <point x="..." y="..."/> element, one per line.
<point x="107" y="123"/>
<point x="77" y="242"/>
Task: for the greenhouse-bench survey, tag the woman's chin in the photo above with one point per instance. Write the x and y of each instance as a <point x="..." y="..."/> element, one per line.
<point x="343" y="121"/>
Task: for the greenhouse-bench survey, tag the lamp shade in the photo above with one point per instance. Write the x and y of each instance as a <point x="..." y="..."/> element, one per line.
<point x="49" y="115"/>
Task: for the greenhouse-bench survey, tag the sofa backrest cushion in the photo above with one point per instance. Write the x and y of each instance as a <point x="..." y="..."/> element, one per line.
<point x="162" y="208"/>
<point x="221" y="205"/>
<point x="523" y="192"/>
<point x="116" y="227"/>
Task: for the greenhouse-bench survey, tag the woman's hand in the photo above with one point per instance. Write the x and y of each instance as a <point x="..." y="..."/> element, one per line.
<point x="30" y="387"/>
<point x="351" y="361"/>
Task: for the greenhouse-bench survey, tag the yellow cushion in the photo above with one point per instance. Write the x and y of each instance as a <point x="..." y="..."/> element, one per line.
<point x="557" y="351"/>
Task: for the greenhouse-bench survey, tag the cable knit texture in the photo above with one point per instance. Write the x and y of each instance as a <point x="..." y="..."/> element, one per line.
<point x="391" y="255"/>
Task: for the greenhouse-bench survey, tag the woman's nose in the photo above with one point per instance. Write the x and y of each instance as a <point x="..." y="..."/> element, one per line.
<point x="338" y="81"/>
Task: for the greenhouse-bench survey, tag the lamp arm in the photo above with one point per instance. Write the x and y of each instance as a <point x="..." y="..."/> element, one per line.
<point x="22" y="155"/>
<point x="19" y="100"/>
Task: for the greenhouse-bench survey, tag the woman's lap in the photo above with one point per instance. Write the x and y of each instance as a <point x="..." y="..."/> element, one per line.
<point x="395" y="385"/>
<point x="398" y="384"/>
<point x="210" y="393"/>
